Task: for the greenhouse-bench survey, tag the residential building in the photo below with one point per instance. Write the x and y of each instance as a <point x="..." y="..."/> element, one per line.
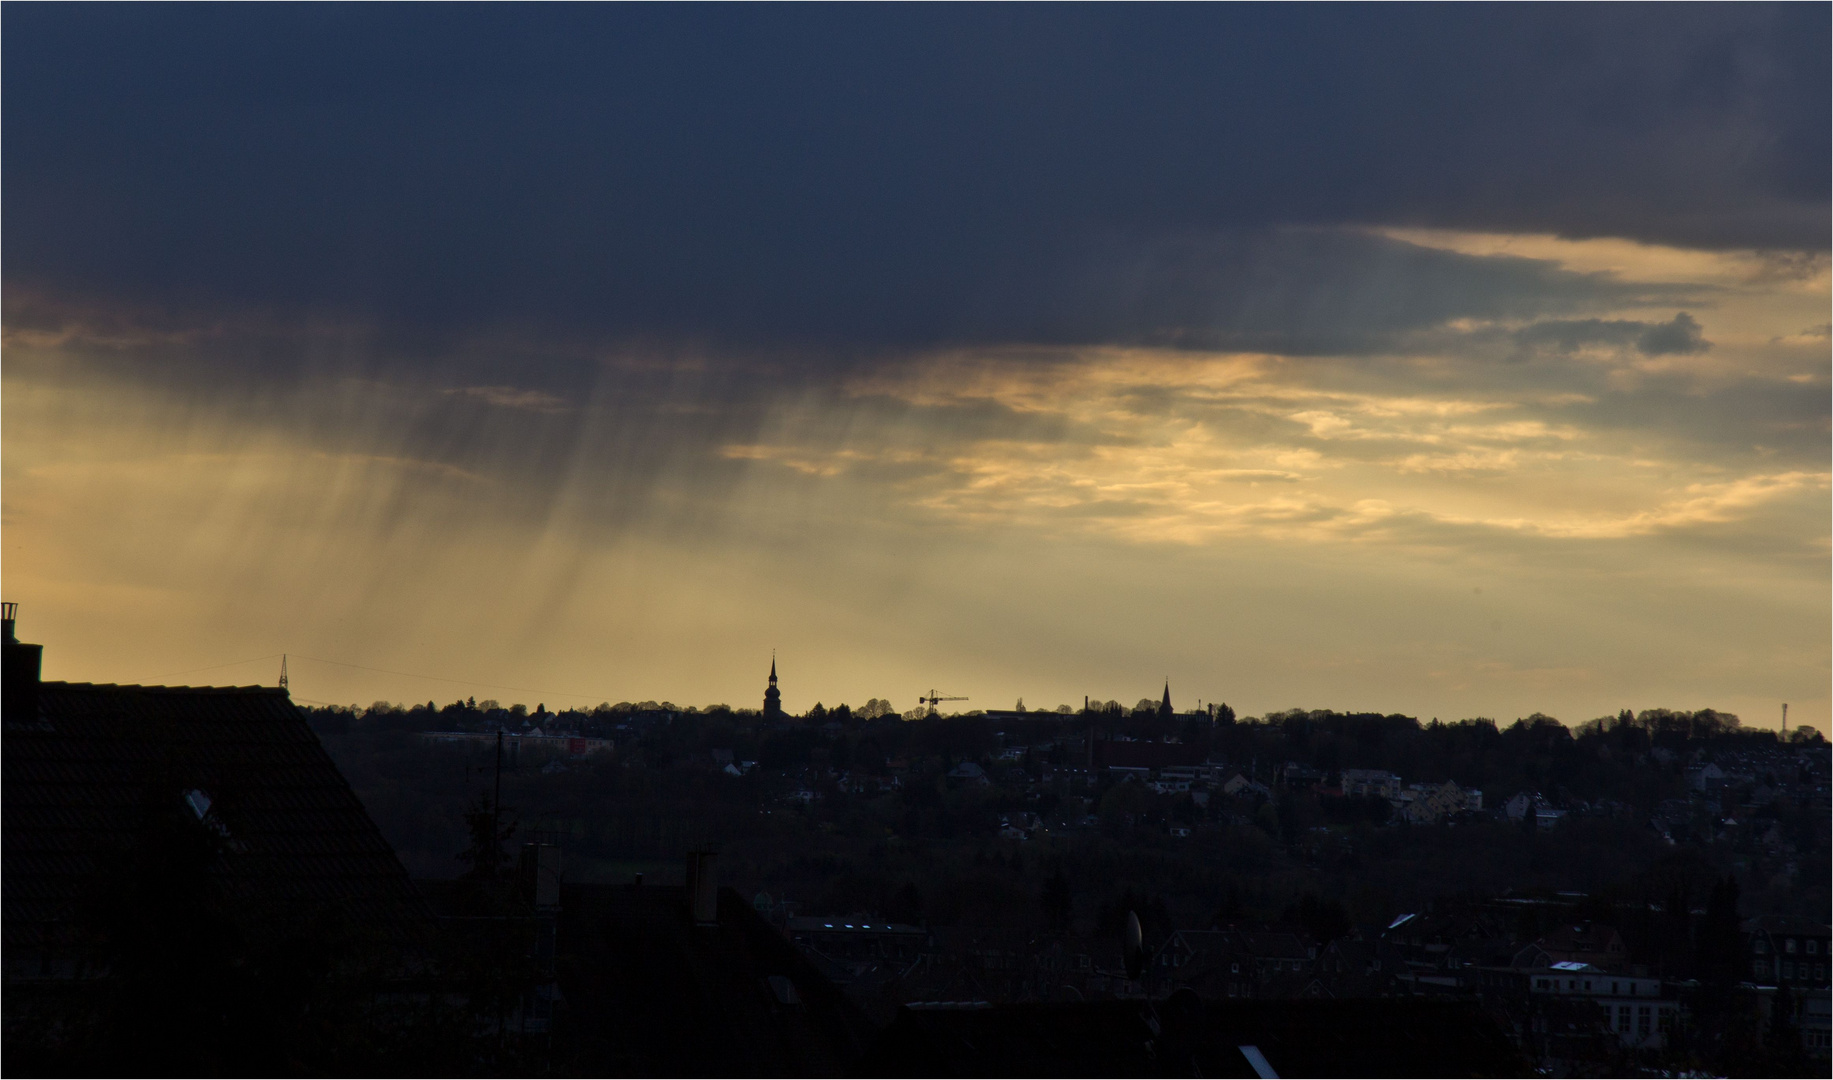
<point x="1362" y="783"/>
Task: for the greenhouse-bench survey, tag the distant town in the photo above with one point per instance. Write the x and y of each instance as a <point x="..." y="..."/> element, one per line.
<point x="1569" y="876"/>
<point x="1639" y="892"/>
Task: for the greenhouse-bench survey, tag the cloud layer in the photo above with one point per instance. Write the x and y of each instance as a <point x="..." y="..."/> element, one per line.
<point x="903" y="176"/>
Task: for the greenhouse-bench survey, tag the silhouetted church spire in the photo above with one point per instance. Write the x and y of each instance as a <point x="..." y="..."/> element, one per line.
<point x="1164" y="707"/>
<point x="773" y="698"/>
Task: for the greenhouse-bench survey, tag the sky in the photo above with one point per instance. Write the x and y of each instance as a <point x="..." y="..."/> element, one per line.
<point x="1457" y="362"/>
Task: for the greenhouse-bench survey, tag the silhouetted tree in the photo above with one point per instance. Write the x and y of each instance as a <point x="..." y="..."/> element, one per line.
<point x="488" y="830"/>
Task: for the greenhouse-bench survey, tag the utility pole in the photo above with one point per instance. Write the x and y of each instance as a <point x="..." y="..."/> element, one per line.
<point x="496" y="805"/>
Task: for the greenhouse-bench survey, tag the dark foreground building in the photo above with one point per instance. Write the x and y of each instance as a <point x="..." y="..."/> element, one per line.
<point x="691" y="981"/>
<point x="190" y="885"/>
<point x="1186" y="1036"/>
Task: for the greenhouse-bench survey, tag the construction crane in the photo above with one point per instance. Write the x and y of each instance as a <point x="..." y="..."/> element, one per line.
<point x="933" y="698"/>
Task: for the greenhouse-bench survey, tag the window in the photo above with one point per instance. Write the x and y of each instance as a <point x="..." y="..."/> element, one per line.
<point x="1788" y="970"/>
<point x="1613" y="987"/>
<point x="1789" y="946"/>
<point x="1813" y="947"/>
<point x="1643" y="1021"/>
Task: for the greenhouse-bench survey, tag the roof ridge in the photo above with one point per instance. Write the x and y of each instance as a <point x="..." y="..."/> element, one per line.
<point x="57" y="684"/>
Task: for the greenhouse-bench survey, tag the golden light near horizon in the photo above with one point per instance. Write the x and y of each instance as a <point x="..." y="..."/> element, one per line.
<point x="1470" y="521"/>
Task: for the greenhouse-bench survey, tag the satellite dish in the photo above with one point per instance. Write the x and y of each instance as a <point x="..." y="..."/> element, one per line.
<point x="1133" y="947"/>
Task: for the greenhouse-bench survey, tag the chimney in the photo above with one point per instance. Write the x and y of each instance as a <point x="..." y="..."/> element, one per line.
<point x="19" y="674"/>
<point x="703" y="887"/>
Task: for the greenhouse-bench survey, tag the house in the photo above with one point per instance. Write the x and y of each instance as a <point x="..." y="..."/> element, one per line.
<point x="691" y="981"/>
<point x="1705" y="777"/>
<point x="1787" y="949"/>
<point x="1422" y="804"/>
<point x="1295" y="774"/>
<point x="1231" y="963"/>
<point x="1360" y="783"/>
<point x="158" y="837"/>
<point x="968" y="772"/>
<point x="1596" y="944"/>
<point x="1238" y="786"/>
<point x="1633" y="1009"/>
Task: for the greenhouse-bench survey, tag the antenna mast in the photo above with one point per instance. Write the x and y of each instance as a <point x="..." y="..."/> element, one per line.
<point x="283" y="678"/>
<point x="1785" y="718"/>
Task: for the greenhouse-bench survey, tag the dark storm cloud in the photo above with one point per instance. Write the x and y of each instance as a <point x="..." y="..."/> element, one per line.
<point x="890" y="176"/>
<point x="1681" y="335"/>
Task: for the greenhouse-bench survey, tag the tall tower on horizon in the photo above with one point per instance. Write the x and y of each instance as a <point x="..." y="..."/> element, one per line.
<point x="1164" y="707"/>
<point x="773" y="698"/>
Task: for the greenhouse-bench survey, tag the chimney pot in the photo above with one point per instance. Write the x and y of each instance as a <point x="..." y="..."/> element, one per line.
<point x="20" y="673"/>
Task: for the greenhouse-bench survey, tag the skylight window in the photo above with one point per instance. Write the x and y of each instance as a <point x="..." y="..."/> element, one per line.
<point x="203" y="806"/>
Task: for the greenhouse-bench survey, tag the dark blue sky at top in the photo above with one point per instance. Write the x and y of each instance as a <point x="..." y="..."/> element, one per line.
<point x="884" y="175"/>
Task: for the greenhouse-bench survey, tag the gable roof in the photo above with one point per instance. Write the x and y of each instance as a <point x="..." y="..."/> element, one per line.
<point x="80" y="772"/>
<point x="650" y="992"/>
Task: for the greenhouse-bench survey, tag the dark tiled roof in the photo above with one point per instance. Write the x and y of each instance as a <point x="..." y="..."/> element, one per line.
<point x="649" y="993"/>
<point x="1785" y="925"/>
<point x="1186" y="1036"/>
<point x="79" y="774"/>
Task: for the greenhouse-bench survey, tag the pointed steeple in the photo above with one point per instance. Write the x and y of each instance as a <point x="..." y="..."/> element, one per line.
<point x="773" y="698"/>
<point x="1164" y="707"/>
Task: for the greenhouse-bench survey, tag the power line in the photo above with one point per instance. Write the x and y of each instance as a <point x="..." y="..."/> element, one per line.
<point x="213" y="667"/>
<point x="441" y="678"/>
<point x="381" y="671"/>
